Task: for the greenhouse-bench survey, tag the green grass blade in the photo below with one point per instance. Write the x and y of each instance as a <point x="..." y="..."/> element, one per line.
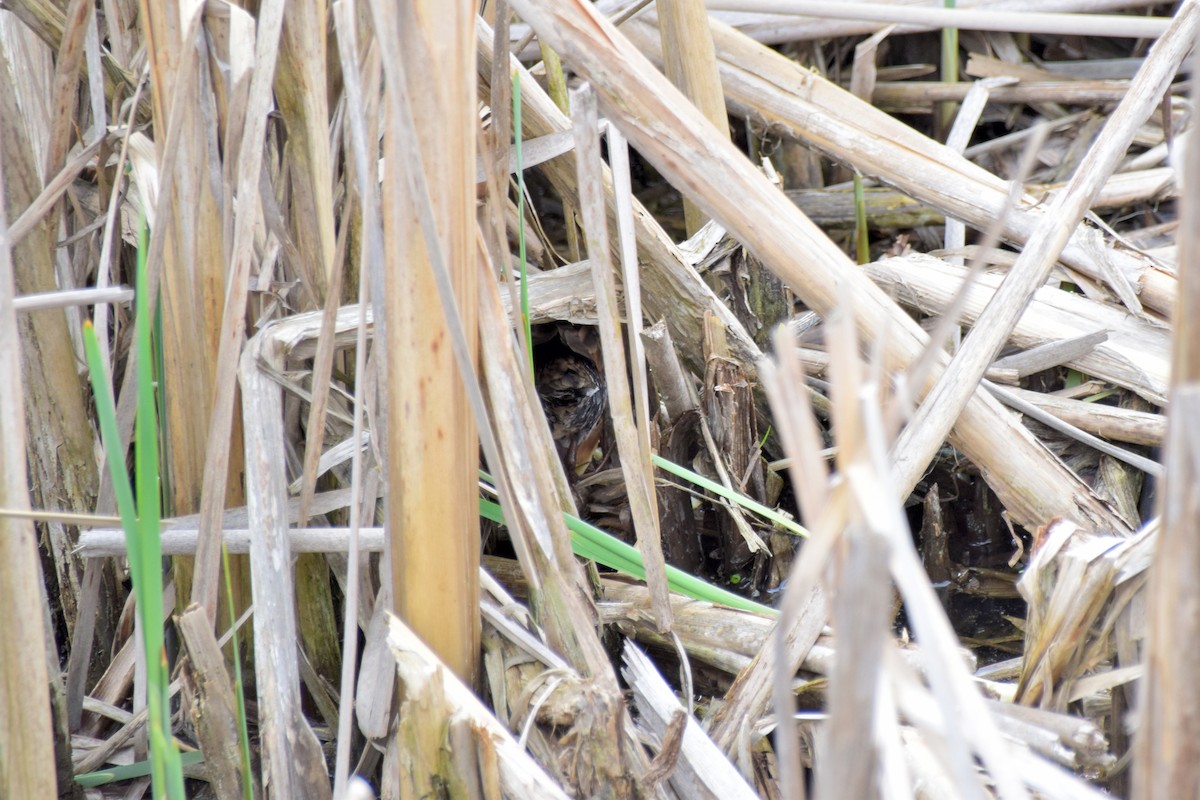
<point x="862" y="236"/>
<point x="146" y="446"/>
<point x="588" y="541"/>
<point x="160" y="369"/>
<point x="949" y="70"/>
<point x="123" y="492"/>
<point x="784" y="522"/>
<point x="106" y="415"/>
<point x="127" y="772"/>
<point x="135" y="552"/>
<point x="238" y="683"/>
<point x="166" y="772"/>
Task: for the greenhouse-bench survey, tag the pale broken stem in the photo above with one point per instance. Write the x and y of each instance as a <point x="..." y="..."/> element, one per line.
<point x="952" y="684"/>
<point x="797" y="425"/>
<point x="637" y="470"/>
<point x="344" y="15"/>
<point x="618" y="156"/>
<point x="960" y="136"/>
<point x="429" y="679"/>
<point x="967" y="19"/>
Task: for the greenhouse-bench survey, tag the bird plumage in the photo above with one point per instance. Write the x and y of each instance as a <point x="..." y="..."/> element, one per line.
<point x="574" y="397"/>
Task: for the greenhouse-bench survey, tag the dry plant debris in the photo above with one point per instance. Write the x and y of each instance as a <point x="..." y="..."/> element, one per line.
<point x="924" y="298"/>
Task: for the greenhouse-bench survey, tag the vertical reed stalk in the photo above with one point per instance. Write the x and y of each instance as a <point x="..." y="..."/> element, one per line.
<point x="433" y="448"/>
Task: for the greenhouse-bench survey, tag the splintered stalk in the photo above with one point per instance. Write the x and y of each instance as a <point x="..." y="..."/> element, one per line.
<point x="525" y="323"/>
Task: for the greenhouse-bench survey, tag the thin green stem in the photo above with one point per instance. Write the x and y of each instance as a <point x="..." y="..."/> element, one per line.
<point x="784" y="522"/>
<point x="862" y="236"/>
<point x="949" y="65"/>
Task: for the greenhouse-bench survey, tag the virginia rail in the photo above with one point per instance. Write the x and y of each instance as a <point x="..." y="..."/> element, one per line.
<point x="574" y="396"/>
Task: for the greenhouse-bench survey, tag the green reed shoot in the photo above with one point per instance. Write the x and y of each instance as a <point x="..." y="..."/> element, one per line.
<point x="862" y="236"/>
<point x="140" y="522"/>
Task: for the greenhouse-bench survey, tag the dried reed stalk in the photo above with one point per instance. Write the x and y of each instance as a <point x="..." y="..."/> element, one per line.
<point x="301" y="89"/>
<point x="360" y="591"/>
<point x="855" y="499"/>
<point x="691" y="64"/>
<point x="533" y="493"/>
<point x="293" y="763"/>
<point x="220" y="445"/>
<point x="61" y="463"/>
<point x="1134" y="355"/>
<point x="1165" y="762"/>
<point x="635" y="460"/>
<point x="437" y="698"/>
<point x="888" y="209"/>
<point x="920" y="97"/>
<point x="26" y="737"/>
<point x="1117" y="424"/>
<point x="806" y="20"/>
<point x="48" y="21"/>
<point x="432" y="444"/>
<point x="318" y="627"/>
<point x="1080" y="589"/>
<point x="701" y="770"/>
<point x="214" y="711"/>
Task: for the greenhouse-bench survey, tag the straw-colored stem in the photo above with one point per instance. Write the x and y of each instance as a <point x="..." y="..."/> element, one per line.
<point x="635" y="461"/>
<point x="26" y="738"/>
<point x="691" y="65"/>
<point x="1164" y="764"/>
<point x="432" y="442"/>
